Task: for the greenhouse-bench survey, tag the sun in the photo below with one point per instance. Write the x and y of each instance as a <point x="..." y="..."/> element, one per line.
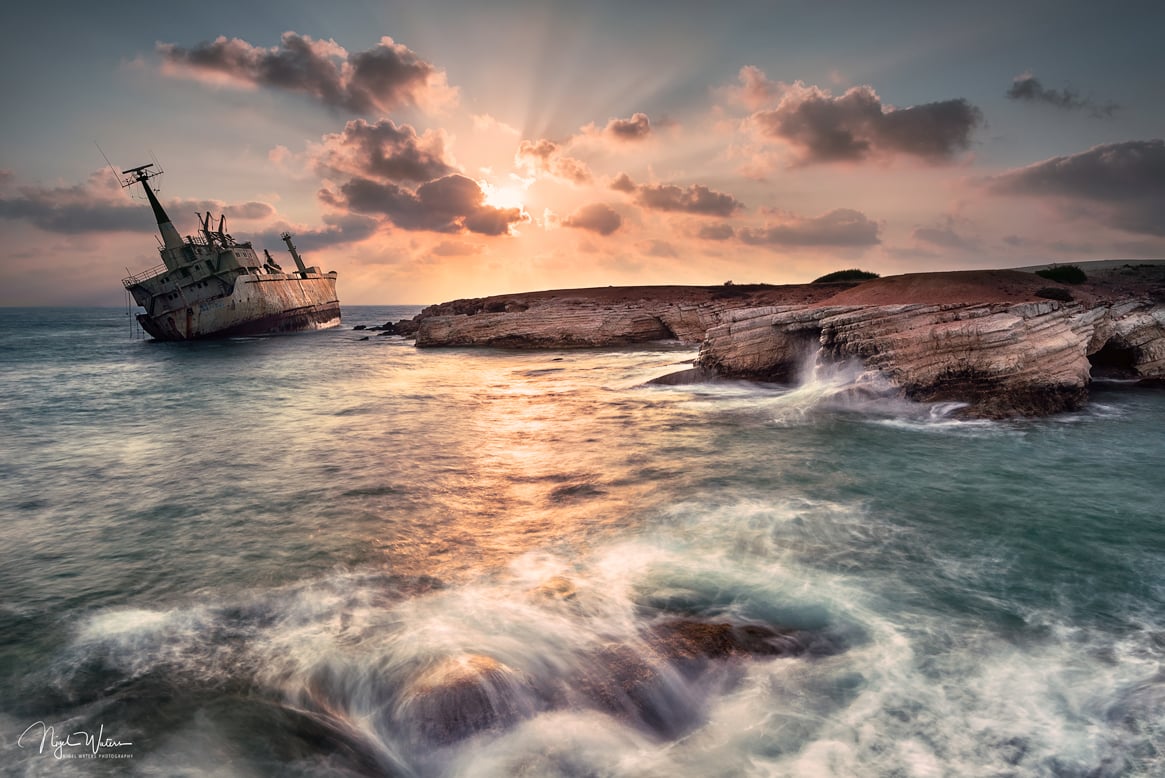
<point x="505" y="196"/>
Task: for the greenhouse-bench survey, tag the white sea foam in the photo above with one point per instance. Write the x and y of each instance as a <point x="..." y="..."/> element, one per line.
<point x="904" y="697"/>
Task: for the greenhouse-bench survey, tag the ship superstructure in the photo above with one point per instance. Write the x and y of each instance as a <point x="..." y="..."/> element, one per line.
<point x="211" y="286"/>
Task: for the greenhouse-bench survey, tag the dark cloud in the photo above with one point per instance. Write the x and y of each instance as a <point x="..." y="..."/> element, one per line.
<point x="1122" y="184"/>
<point x="695" y="199"/>
<point x="450" y="204"/>
<point x="98" y="205"/>
<point x="636" y="128"/>
<point x="386" y="77"/>
<point x="596" y="217"/>
<point x="841" y="227"/>
<point x="856" y="125"/>
<point x="623" y="183"/>
<point x="1027" y="88"/>
<point x="249" y="210"/>
<point x="549" y="157"/>
<point x="384" y="150"/>
<point x="338" y="230"/>
<point x="717" y="232"/>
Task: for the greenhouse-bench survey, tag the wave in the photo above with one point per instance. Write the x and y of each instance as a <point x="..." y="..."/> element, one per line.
<point x="717" y="643"/>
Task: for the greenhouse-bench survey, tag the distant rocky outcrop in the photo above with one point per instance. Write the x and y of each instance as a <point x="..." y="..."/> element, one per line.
<point x="606" y="316"/>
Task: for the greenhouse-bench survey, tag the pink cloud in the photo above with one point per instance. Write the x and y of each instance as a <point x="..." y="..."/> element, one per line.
<point x="596" y="217"/>
<point x="694" y="199"/>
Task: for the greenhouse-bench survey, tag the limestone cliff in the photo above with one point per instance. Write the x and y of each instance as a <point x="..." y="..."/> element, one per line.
<point x="1007" y="357"/>
<point x="608" y="316"/>
<point x="1004" y="342"/>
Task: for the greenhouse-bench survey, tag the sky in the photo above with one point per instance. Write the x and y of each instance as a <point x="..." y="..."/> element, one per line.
<point x="437" y="150"/>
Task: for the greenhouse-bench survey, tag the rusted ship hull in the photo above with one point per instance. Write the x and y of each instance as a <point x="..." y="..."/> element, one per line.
<point x="257" y="306"/>
<point x="212" y="286"/>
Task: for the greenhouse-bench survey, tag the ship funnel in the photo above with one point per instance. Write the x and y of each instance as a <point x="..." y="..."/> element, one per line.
<point x="294" y="254"/>
<point x="142" y="175"/>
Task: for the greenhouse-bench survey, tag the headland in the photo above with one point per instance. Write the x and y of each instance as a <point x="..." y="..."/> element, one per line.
<point x="1003" y="343"/>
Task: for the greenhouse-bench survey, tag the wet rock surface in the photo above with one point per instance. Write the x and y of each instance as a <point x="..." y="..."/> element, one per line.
<point x="1001" y="342"/>
<point x="652" y="683"/>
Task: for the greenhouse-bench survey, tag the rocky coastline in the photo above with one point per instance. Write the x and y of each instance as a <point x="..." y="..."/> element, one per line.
<point x="1002" y="343"/>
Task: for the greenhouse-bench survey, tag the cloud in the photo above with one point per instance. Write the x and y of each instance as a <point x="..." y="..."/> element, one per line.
<point x="695" y="199"/>
<point x="1121" y="184"/>
<point x="451" y="204"/>
<point x="1027" y="88"/>
<point x="596" y="217"/>
<point x="251" y="210"/>
<point x="98" y="205"/>
<point x="840" y="227"/>
<point x="339" y="229"/>
<point x="383" y="78"/>
<point x="657" y="248"/>
<point x="638" y="127"/>
<point x="487" y="123"/>
<point x="755" y="90"/>
<point x="716" y="232"/>
<point x="549" y="157"/>
<point x="385" y="151"/>
<point x="944" y="235"/>
<point x="857" y="125"/>
<point x="457" y="248"/>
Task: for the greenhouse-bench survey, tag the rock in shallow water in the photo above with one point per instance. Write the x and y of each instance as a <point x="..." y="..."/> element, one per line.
<point x="652" y="683"/>
<point x="462" y="695"/>
<point x="1002" y="359"/>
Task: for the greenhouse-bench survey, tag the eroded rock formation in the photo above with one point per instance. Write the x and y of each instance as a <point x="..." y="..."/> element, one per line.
<point x="609" y="316"/>
<point x="1002" y="341"/>
<point x="1008" y="357"/>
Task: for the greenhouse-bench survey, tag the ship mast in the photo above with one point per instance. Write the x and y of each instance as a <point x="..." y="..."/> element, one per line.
<point x="171" y="240"/>
<point x="294" y="254"/>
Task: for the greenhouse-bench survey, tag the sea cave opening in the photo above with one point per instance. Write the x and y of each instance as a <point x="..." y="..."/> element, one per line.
<point x="1114" y="361"/>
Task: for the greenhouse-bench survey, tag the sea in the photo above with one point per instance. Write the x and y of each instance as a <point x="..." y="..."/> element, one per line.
<point x="334" y="554"/>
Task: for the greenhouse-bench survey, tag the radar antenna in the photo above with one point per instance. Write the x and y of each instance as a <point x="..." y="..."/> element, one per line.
<point x="142" y="175"/>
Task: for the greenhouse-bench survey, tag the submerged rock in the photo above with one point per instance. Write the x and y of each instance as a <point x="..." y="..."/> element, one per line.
<point x="652" y="681"/>
<point x="461" y="695"/>
<point x="684" y="640"/>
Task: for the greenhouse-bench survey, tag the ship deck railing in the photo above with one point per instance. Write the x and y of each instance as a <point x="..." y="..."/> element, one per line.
<point x="137" y="278"/>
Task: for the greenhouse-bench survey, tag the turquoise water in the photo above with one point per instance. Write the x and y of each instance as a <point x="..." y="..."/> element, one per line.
<point x="253" y="557"/>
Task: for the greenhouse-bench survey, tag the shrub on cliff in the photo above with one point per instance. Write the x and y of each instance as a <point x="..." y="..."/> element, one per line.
<point x="853" y="274"/>
<point x="1065" y="274"/>
<point x="1055" y="293"/>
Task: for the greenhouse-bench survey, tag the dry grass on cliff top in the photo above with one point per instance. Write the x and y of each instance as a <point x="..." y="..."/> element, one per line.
<point x="1002" y="286"/>
<point x="946" y="288"/>
<point x="1106" y="281"/>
